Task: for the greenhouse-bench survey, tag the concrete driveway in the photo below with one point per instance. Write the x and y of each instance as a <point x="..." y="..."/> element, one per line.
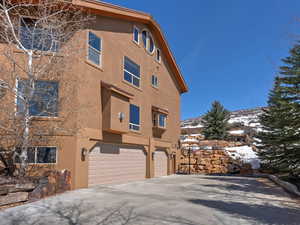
<point x="187" y="200"/>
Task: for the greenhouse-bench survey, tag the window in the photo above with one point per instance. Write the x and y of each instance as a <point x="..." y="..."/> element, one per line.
<point x="41" y="155"/>
<point x="94" y="49"/>
<point x="44" y="101"/>
<point x="136" y="33"/>
<point x="132" y="72"/>
<point x="151" y="44"/>
<point x="158" y="55"/>
<point x="148" y="41"/>
<point x="159" y="120"/>
<point x="35" y="36"/>
<point x="144" y="37"/>
<point x="162" y="118"/>
<point x="134" y="121"/>
<point x="154" y="81"/>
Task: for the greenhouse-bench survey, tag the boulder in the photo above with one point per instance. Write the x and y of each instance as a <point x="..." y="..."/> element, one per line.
<point x="53" y="182"/>
<point x="12" y="198"/>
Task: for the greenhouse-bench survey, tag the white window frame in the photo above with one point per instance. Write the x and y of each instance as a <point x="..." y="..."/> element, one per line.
<point x="156" y="116"/>
<point x="132" y="124"/>
<point x="155" y="85"/>
<point x="19" y="35"/>
<point x="165" y="120"/>
<point x="135" y="28"/>
<point x="99" y="52"/>
<point x="156" y="57"/>
<point x="139" y="78"/>
<point x="35" y="155"/>
<point x="148" y="36"/>
<point x="16" y="103"/>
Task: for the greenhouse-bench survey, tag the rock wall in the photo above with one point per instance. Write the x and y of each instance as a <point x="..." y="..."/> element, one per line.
<point x="207" y="162"/>
<point x="13" y="190"/>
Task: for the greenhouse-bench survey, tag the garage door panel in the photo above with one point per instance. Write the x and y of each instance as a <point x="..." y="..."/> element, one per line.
<point x="112" y="164"/>
<point x="160" y="164"/>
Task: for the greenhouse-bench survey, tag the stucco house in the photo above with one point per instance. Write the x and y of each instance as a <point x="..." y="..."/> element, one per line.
<point x="130" y="126"/>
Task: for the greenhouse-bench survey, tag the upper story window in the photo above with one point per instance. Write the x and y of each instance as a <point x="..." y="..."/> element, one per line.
<point x="42" y="155"/>
<point x="162" y="120"/>
<point x="132" y="72"/>
<point x="144" y="37"/>
<point x="35" y="36"/>
<point x="94" y="49"/>
<point x="136" y="33"/>
<point x="44" y="101"/>
<point x="134" y="118"/>
<point x="159" y="120"/>
<point x="154" y="81"/>
<point x="158" y="55"/>
<point x="148" y="41"/>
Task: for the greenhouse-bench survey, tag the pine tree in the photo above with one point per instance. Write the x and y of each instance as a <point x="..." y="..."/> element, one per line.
<point x="216" y="122"/>
<point x="273" y="121"/>
<point x="280" y="139"/>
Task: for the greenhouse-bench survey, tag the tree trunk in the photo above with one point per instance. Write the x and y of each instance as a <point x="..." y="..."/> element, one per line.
<point x="29" y="92"/>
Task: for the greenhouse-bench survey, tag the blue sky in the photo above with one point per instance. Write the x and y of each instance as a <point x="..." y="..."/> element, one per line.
<point x="228" y="50"/>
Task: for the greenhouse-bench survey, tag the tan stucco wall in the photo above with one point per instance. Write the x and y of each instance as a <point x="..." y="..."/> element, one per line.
<point x="117" y="42"/>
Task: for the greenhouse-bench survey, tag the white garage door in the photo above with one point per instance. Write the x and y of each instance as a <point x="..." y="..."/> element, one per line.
<point x="113" y="164"/>
<point x="160" y="164"/>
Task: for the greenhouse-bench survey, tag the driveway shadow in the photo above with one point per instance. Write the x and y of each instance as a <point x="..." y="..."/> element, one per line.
<point x="263" y="214"/>
<point x="244" y="184"/>
<point x="84" y="213"/>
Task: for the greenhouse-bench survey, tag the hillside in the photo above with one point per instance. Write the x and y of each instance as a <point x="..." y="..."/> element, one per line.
<point x="244" y="124"/>
<point x="238" y="118"/>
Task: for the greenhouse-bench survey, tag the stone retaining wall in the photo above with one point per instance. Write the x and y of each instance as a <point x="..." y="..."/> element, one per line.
<point x="207" y="162"/>
<point x="14" y="190"/>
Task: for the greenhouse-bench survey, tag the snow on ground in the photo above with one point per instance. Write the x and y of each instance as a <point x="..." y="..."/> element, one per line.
<point x="236" y="131"/>
<point x="245" y="154"/>
<point x="190" y="140"/>
<point x="245" y="120"/>
<point x="192" y="126"/>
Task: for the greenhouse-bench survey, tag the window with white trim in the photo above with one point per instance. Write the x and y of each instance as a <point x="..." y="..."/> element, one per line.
<point x="159" y="120"/>
<point x="162" y="120"/>
<point x="144" y="38"/>
<point x="136" y="33"/>
<point x="131" y="72"/>
<point x="134" y="117"/>
<point x="148" y="41"/>
<point x="154" y="81"/>
<point x="36" y="36"/>
<point x="94" y="49"/>
<point x="44" y="101"/>
<point x="158" y="55"/>
<point x="41" y="155"/>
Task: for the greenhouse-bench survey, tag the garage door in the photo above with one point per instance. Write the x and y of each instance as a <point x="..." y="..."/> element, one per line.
<point x="113" y="164"/>
<point x="160" y="164"/>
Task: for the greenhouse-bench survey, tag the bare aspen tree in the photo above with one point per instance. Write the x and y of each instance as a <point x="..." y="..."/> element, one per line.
<point x="37" y="40"/>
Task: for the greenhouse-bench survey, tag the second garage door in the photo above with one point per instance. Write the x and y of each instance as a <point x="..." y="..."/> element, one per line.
<point x="160" y="163"/>
<point x="113" y="164"/>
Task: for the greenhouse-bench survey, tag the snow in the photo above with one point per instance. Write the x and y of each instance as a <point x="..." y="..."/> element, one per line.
<point x="245" y="154"/>
<point x="189" y="140"/>
<point x="192" y="126"/>
<point x="245" y="120"/>
<point x="236" y="131"/>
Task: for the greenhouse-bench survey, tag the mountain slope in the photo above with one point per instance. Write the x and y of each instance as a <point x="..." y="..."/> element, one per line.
<point x="245" y="118"/>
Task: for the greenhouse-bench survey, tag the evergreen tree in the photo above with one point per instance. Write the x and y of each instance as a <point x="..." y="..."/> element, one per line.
<point x="273" y="121"/>
<point x="216" y="122"/>
<point x="280" y="139"/>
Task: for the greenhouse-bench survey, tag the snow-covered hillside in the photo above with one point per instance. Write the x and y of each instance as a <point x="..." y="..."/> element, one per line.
<point x="244" y="124"/>
<point x="247" y="118"/>
<point x="245" y="154"/>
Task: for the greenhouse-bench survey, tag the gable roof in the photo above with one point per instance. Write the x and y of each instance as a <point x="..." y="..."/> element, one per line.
<point x="115" y="11"/>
